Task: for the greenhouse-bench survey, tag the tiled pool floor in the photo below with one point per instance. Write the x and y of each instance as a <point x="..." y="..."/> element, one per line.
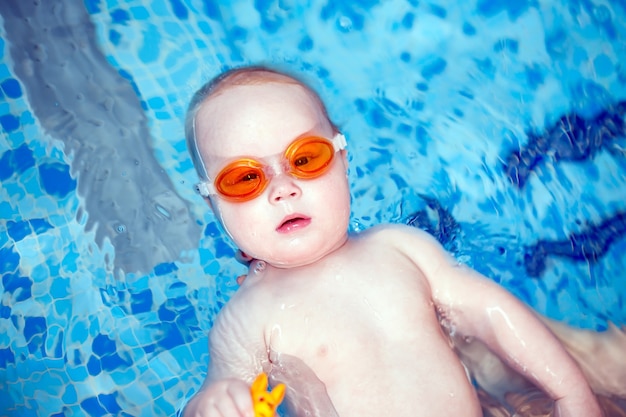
<point x="497" y="126"/>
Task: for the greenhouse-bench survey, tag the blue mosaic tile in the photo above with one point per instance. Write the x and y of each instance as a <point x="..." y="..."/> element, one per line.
<point x="513" y="9"/>
<point x="4" y="69"/>
<point x="11" y="88"/>
<point x="56" y="179"/>
<point x="9" y="260"/>
<point x="18" y="286"/>
<point x="9" y="122"/>
<point x="139" y="13"/>
<point x="120" y="16"/>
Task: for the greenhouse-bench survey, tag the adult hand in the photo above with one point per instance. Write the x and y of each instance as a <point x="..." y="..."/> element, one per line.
<point x="306" y="393"/>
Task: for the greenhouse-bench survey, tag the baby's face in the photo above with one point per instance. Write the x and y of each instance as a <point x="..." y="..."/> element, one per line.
<point x="293" y="221"/>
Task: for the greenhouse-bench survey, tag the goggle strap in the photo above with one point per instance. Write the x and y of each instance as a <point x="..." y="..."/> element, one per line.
<point x="197" y="150"/>
<point x="339" y="142"/>
<point x="205" y="189"/>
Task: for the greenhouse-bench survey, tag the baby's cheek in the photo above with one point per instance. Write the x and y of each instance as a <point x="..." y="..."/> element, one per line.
<point x="250" y="239"/>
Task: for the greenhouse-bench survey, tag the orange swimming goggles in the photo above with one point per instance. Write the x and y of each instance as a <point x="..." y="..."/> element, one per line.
<point x="246" y="178"/>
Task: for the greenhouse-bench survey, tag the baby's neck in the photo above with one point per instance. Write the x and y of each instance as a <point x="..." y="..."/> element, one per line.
<point x="304" y="262"/>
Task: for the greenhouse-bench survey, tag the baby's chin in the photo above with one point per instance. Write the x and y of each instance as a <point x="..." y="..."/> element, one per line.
<point x="293" y="259"/>
<point x="301" y="252"/>
<point x="292" y="262"/>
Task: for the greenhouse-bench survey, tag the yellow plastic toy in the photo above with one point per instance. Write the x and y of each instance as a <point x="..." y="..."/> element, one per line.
<point x="265" y="403"/>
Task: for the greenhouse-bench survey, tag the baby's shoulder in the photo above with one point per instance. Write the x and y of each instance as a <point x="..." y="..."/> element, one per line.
<point x="251" y="296"/>
<point x="397" y="234"/>
<point x="242" y="317"/>
<point x="415" y="244"/>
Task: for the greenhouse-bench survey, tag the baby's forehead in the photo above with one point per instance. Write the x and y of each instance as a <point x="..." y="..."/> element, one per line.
<point x="262" y="144"/>
<point x="254" y="78"/>
<point x="258" y="116"/>
<point x="261" y="105"/>
<point x="260" y="93"/>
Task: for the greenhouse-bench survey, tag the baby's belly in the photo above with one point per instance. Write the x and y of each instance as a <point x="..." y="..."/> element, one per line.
<point x="401" y="386"/>
<point x="370" y="373"/>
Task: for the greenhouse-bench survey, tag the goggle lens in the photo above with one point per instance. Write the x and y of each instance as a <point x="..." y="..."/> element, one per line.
<point x="245" y="179"/>
<point x="309" y="157"/>
<point x="241" y="180"/>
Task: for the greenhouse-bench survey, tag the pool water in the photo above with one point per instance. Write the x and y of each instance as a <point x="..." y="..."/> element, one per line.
<point x="497" y="126"/>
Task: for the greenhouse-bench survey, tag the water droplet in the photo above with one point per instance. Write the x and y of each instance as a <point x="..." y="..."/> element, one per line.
<point x="163" y="211"/>
<point x="356" y="226"/>
<point x="345" y="22"/>
<point x="259" y="267"/>
<point x="121" y="228"/>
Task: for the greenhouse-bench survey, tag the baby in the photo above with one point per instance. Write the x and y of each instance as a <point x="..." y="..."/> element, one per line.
<point x="351" y="323"/>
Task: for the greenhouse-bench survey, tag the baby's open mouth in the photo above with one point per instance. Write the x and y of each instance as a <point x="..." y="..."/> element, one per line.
<point x="293" y="223"/>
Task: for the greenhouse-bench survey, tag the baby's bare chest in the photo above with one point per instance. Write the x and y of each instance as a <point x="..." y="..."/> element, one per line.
<point x="330" y="312"/>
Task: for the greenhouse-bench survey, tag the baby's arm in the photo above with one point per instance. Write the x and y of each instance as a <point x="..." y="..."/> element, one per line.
<point x="478" y="307"/>
<point x="236" y="357"/>
<point x="224" y="398"/>
<point x="239" y="353"/>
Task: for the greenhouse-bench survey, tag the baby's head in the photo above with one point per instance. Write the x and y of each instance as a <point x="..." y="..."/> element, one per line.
<point x="249" y="75"/>
<point x="272" y="165"/>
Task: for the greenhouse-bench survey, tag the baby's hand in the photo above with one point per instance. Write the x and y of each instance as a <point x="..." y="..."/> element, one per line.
<point x="225" y="398"/>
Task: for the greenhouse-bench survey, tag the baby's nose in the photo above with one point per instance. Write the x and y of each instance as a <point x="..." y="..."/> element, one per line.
<point x="283" y="187"/>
